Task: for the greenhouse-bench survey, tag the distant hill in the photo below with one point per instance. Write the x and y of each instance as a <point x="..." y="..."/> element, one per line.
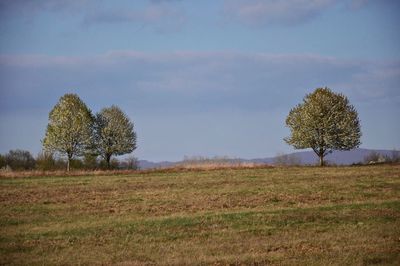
<point x="336" y="157"/>
<point x="144" y="164"/>
<point x="306" y="158"/>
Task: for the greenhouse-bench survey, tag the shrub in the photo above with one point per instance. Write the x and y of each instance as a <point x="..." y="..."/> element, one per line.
<point x="114" y="164"/>
<point x="395" y="156"/>
<point x="77" y="164"/>
<point x="90" y="162"/>
<point x="287" y="160"/>
<point x="20" y="160"/>
<point x="373" y="157"/>
<point x="130" y="163"/>
<point x="45" y="161"/>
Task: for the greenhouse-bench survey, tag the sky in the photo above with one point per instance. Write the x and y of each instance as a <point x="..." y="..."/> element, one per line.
<point x="199" y="78"/>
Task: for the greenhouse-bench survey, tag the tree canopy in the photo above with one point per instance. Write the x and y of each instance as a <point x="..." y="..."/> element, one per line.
<point x="70" y="128"/>
<point x="324" y="122"/>
<point x="114" y="134"/>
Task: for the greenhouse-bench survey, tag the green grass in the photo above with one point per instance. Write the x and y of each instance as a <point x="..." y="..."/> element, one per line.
<point x="279" y="216"/>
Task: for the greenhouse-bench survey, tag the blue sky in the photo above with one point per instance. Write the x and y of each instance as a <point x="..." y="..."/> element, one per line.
<point x="199" y="77"/>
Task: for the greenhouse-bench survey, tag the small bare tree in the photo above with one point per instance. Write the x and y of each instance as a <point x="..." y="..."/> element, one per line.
<point x="283" y="159"/>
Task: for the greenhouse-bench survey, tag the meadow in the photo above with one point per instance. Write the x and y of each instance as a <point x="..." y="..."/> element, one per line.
<point x="245" y="216"/>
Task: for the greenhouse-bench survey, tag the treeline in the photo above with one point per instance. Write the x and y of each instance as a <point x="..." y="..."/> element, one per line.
<point x="20" y="160"/>
<point x="372" y="157"/>
<point x="375" y="157"/>
<point x="210" y="160"/>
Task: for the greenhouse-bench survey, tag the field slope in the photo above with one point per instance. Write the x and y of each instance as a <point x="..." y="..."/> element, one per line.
<point x="285" y="216"/>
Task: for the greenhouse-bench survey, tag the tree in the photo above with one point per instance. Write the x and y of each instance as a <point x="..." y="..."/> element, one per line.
<point x="283" y="159"/>
<point x="324" y="122"/>
<point x="70" y="128"/>
<point x="395" y="158"/>
<point x="20" y="160"/>
<point x="114" y="133"/>
<point x="2" y="161"/>
<point x="131" y="163"/>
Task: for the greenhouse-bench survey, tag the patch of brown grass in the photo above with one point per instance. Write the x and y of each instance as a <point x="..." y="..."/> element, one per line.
<point x="255" y="215"/>
<point x="171" y="169"/>
<point x="59" y="173"/>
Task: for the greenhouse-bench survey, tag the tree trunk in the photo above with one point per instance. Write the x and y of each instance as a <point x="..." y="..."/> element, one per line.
<point x="68" y="163"/>
<point x="321" y="160"/>
<point x="108" y="159"/>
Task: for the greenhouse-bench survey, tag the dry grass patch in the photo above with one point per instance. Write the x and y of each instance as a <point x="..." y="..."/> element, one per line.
<point x="285" y="216"/>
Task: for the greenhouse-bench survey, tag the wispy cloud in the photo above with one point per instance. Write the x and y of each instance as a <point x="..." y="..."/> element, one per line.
<point x="157" y="15"/>
<point x="259" y="13"/>
<point x="29" y="9"/>
<point x="160" y="17"/>
<point x="164" y="1"/>
<point x="194" y="80"/>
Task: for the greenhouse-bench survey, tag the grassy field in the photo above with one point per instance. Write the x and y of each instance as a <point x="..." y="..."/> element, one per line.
<point x="278" y="216"/>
